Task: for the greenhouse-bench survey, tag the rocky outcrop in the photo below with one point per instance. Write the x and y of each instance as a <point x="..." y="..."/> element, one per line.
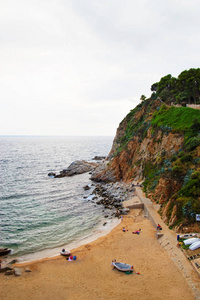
<point x="153" y="151"/>
<point x="165" y="188"/>
<point x="103" y="173"/>
<point x="77" y="167"/>
<point x="111" y="196"/>
<point x="129" y="163"/>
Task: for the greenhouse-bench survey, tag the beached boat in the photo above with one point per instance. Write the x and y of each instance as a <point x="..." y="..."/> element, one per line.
<point x="191" y="241"/>
<point x="4" y="251"/>
<point x="187" y="236"/>
<point x="195" y="245"/>
<point x="123" y="267"/>
<point x="65" y="252"/>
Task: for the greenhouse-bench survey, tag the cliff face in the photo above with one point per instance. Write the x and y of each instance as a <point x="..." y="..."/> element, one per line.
<point x="151" y="148"/>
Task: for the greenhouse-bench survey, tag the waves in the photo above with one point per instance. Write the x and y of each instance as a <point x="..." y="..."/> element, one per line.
<point x="38" y="212"/>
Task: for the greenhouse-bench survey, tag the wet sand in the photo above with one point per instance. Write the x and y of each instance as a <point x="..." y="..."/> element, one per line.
<point x="91" y="276"/>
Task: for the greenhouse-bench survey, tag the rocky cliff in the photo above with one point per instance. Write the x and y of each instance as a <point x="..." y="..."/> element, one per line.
<point x="159" y="146"/>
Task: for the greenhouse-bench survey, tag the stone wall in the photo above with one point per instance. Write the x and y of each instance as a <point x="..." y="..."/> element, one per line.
<point x="195" y="106"/>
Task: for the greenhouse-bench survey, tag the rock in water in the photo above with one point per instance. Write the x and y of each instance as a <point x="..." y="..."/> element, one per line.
<point x="13" y="261"/>
<point x="86" y="187"/>
<point x="99" y="157"/>
<point x="77" y="167"/>
<point x="52" y="174"/>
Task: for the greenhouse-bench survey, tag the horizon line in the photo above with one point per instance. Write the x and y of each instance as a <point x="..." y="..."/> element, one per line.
<point x="37" y="135"/>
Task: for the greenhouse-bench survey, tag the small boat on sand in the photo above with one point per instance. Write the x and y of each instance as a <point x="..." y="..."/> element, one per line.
<point x="191" y="241"/>
<point x="4" y="251"/>
<point x="123" y="267"/>
<point x="187" y="236"/>
<point x="195" y="245"/>
<point x="65" y="252"/>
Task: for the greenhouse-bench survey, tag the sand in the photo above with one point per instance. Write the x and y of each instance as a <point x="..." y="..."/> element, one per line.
<point x="91" y="276"/>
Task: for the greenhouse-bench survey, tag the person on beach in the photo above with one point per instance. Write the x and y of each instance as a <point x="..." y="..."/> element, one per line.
<point x="124" y="230"/>
<point x="159" y="227"/>
<point x="70" y="258"/>
<point x="121" y="218"/>
<point x="137" y="231"/>
<point x="113" y="261"/>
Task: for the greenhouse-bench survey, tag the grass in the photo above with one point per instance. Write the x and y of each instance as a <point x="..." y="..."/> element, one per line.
<point x="178" y="118"/>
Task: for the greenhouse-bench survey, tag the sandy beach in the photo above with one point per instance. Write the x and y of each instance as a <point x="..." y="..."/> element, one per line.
<point x="91" y="276"/>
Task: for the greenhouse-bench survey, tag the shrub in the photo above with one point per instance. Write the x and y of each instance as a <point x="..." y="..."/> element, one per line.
<point x="192" y="143"/>
<point x="191" y="189"/>
<point x="188" y="176"/>
<point x="188" y="211"/>
<point x="177" y="167"/>
<point x="186" y="158"/>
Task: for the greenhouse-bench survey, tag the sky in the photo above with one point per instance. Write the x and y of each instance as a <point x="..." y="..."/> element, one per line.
<point x="77" y="67"/>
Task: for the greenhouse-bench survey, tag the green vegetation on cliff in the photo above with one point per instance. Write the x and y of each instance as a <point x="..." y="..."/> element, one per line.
<point x="162" y="146"/>
<point x="175" y="118"/>
<point x="135" y="126"/>
<point x="182" y="166"/>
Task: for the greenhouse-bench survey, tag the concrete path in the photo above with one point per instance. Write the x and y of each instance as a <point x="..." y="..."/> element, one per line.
<point x="168" y="239"/>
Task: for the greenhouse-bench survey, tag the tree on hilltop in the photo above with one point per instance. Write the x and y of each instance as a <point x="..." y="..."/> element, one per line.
<point x="184" y="89"/>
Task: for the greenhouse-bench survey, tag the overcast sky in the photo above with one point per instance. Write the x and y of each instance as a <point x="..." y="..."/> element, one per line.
<point x="77" y="67"/>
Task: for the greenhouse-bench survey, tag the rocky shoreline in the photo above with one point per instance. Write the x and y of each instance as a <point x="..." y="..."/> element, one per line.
<point x="108" y="193"/>
<point x="111" y="196"/>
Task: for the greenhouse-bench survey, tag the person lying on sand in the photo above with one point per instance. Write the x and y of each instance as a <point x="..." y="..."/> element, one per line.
<point x="70" y="258"/>
<point x="137" y="231"/>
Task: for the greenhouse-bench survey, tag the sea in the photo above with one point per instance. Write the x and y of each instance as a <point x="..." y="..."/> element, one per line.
<point x="39" y="214"/>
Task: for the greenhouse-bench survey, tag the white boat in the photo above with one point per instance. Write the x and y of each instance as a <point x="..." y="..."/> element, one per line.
<point x="65" y="252"/>
<point x="191" y="241"/>
<point x="123" y="267"/>
<point x="195" y="245"/>
<point x="187" y="236"/>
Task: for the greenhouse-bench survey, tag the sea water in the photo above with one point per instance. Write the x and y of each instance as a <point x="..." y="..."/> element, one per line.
<point x="38" y="212"/>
